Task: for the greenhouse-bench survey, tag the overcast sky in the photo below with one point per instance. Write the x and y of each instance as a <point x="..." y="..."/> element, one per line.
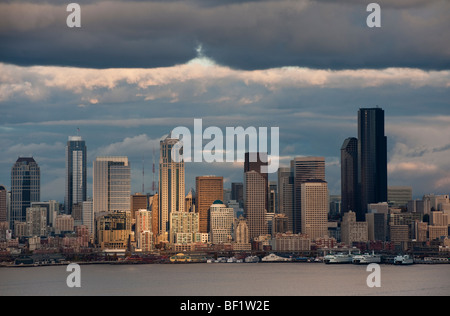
<point x="137" y="69"/>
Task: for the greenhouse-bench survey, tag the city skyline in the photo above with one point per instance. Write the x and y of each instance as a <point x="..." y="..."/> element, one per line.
<point x="267" y="74"/>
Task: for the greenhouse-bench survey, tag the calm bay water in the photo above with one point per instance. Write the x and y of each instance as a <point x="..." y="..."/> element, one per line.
<point x="233" y="279"/>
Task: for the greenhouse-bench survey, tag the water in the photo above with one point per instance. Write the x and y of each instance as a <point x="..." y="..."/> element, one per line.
<point x="233" y="279"/>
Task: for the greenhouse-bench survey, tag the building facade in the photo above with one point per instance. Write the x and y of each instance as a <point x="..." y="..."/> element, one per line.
<point x="304" y="168"/>
<point x="112" y="184"/>
<point x="171" y="186"/>
<point x="255" y="203"/>
<point x="314" y="208"/>
<point x="25" y="188"/>
<point x="76" y="173"/>
<point x="208" y="190"/>
<point x="222" y="220"/>
<point x="372" y="159"/>
<point x="349" y="175"/>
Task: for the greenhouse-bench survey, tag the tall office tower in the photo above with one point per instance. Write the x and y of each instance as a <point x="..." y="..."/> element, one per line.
<point x="237" y="193"/>
<point x="349" y="175"/>
<point x="222" y="220"/>
<point x="315" y="208"/>
<point x="171" y="186"/>
<point x="112" y="184"/>
<point x="76" y="171"/>
<point x="3" y="204"/>
<point x="304" y="168"/>
<point x="255" y="188"/>
<point x="255" y="162"/>
<point x="372" y="159"/>
<point x="138" y="202"/>
<point x="25" y="188"/>
<point x="208" y="189"/>
<point x="286" y="195"/>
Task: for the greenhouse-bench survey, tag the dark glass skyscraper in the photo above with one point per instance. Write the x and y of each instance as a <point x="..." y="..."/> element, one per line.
<point x="76" y="167"/>
<point x="25" y="188"/>
<point x="349" y="175"/>
<point x="372" y="159"/>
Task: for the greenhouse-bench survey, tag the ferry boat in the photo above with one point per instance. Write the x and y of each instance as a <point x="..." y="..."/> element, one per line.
<point x="339" y="258"/>
<point x="403" y="260"/>
<point x="274" y="258"/>
<point x="366" y="258"/>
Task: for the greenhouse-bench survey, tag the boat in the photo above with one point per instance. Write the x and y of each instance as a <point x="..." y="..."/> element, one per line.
<point x="251" y="259"/>
<point x="339" y="258"/>
<point x="231" y="260"/>
<point x="274" y="258"/>
<point x="366" y="258"/>
<point x="403" y="260"/>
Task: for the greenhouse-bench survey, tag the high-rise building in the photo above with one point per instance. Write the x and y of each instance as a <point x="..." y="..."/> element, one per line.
<point x="349" y="175"/>
<point x="144" y="236"/>
<point x="25" y="188"/>
<point x="183" y="227"/>
<point x="255" y="188"/>
<point x="88" y="216"/>
<point x="222" y="220"/>
<point x="171" y="186"/>
<point x="304" y="168"/>
<point x="237" y="193"/>
<point x="208" y="189"/>
<point x="254" y="162"/>
<point x="76" y="173"/>
<point x="314" y="208"/>
<point x="286" y="195"/>
<point x="372" y="159"/>
<point x="112" y="184"/>
<point x="3" y="204"/>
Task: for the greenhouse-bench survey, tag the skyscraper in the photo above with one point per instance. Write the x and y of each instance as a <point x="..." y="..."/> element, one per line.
<point x="286" y="195"/>
<point x="255" y="188"/>
<point x="315" y="208"/>
<point x="171" y="186"/>
<point x="222" y="219"/>
<point x="304" y="168"/>
<point x="372" y="159"/>
<point x="208" y="189"/>
<point x="25" y="188"/>
<point x="3" y="204"/>
<point x="349" y="175"/>
<point x="112" y="184"/>
<point x="254" y="162"/>
<point x="76" y="171"/>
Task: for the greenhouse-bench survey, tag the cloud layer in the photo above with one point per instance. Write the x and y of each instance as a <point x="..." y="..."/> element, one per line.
<point x="239" y="34"/>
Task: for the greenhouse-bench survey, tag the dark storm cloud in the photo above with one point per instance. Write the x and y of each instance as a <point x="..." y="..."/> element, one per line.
<point x="239" y="34"/>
